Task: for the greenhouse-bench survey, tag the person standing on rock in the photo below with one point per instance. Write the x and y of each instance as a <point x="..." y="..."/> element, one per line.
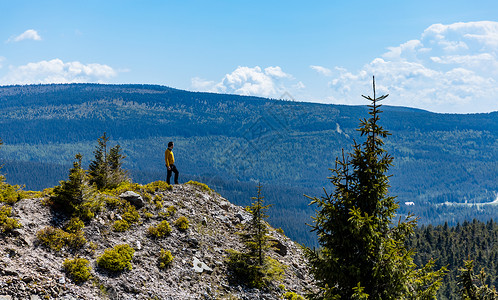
<point x="170" y="163"/>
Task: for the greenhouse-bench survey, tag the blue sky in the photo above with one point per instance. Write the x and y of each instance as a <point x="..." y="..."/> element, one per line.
<point x="437" y="55"/>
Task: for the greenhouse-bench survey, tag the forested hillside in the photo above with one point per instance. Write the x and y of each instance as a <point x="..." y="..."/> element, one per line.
<point x="451" y="245"/>
<point x="444" y="163"/>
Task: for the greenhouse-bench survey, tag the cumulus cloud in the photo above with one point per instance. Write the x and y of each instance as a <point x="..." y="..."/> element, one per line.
<point x="268" y="82"/>
<point x="451" y="68"/>
<point x="57" y="71"/>
<point x="322" y="70"/>
<point x="29" y="34"/>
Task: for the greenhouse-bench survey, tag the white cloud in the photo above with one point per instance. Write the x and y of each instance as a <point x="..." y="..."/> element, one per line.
<point x="270" y="82"/>
<point x="29" y="34"/>
<point x="322" y="70"/>
<point x="56" y="71"/>
<point x="452" y="68"/>
<point x="276" y="72"/>
<point x="2" y="59"/>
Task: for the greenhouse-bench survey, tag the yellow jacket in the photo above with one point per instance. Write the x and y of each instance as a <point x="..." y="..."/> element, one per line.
<point x="169" y="158"/>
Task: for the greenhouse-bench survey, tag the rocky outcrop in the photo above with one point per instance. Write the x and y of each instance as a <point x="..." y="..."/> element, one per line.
<point x="198" y="271"/>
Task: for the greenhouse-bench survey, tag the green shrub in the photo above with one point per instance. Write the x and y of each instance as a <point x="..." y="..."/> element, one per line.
<point x="9" y="194"/>
<point x="165" y="259"/>
<point x="56" y="238"/>
<point x="170" y="211"/>
<point x="147" y="197"/>
<point x="78" y="269"/>
<point x="123" y="187"/>
<point x="182" y="223"/>
<point x="252" y="274"/>
<point x="160" y="230"/>
<point x="202" y="185"/>
<point x="130" y="214"/>
<point x="120" y="225"/>
<point x="74" y="225"/>
<point x="158" y="202"/>
<point x="76" y="196"/>
<point x="292" y="296"/>
<point x="157" y="186"/>
<point x="7" y="223"/>
<point x="116" y="259"/>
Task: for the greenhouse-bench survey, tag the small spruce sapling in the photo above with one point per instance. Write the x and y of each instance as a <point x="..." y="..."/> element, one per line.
<point x="254" y="266"/>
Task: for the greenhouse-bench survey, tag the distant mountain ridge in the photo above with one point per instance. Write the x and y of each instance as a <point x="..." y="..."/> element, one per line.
<point x="231" y="142"/>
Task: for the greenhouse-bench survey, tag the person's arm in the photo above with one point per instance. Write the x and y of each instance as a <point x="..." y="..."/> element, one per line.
<point x="166" y="159"/>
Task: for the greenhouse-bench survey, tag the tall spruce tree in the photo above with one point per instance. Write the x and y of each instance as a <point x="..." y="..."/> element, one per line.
<point x="363" y="254"/>
<point x="105" y="170"/>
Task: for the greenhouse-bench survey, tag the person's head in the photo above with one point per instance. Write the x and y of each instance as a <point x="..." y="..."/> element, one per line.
<point x="170" y="145"/>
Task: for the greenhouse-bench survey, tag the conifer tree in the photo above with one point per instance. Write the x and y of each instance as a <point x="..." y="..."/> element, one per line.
<point x="363" y="254"/>
<point x="105" y="170"/>
<point x="76" y="196"/>
<point x="469" y="289"/>
<point x="254" y="266"/>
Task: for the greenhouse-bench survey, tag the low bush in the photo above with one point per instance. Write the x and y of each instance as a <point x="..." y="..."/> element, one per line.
<point x="7" y="223"/>
<point x="116" y="259"/>
<point x="56" y="238"/>
<point x="165" y="259"/>
<point x="74" y="225"/>
<point x="182" y="223"/>
<point x="9" y="194"/>
<point x="130" y="213"/>
<point x="162" y="229"/>
<point x="199" y="184"/>
<point x="292" y="296"/>
<point x="158" y="186"/>
<point x="158" y="202"/>
<point x="120" y="225"/>
<point x="170" y="211"/>
<point x="251" y="274"/>
<point x="77" y="269"/>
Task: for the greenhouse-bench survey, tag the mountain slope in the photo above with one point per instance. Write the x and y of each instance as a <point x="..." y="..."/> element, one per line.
<point x="28" y="268"/>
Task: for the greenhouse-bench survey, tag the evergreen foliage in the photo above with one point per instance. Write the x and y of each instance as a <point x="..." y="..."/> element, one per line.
<point x="182" y="223"/>
<point x="106" y="169"/>
<point x="452" y="245"/>
<point x="165" y="259"/>
<point x="469" y="289"/>
<point x="78" y="269"/>
<point x="76" y="196"/>
<point x="7" y="223"/>
<point x="56" y="238"/>
<point x="117" y="259"/>
<point x="363" y="254"/>
<point x="160" y="230"/>
<point x="254" y="266"/>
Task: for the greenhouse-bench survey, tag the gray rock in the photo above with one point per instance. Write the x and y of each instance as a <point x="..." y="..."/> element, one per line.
<point x="200" y="267"/>
<point x="239" y="216"/>
<point x="193" y="243"/>
<point x="5" y="297"/>
<point x="279" y="247"/>
<point x="225" y="205"/>
<point x="133" y="198"/>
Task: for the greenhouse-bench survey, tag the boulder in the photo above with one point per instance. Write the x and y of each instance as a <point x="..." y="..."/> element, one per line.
<point x="133" y="198"/>
<point x="200" y="267"/>
<point x="279" y="247"/>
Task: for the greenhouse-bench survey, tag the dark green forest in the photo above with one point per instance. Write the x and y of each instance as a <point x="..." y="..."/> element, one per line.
<point x="451" y="245"/>
<point x="444" y="163"/>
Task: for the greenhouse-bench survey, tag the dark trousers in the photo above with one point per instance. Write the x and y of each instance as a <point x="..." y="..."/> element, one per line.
<point x="175" y="170"/>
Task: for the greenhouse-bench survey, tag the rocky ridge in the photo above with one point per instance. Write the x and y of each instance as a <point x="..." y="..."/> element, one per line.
<point x="28" y="270"/>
